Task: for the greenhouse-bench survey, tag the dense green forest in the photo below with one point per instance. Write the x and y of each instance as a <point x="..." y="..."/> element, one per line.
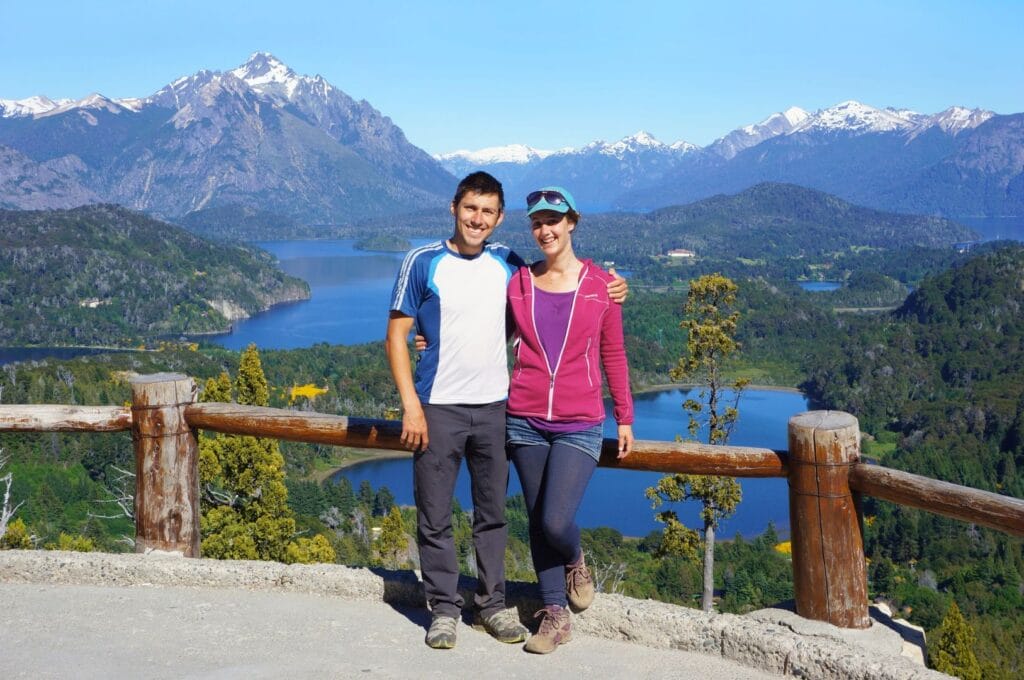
<point x="937" y="383"/>
<point x="108" y="276"/>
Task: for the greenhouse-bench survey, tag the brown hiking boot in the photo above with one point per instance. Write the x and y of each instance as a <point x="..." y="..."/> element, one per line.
<point x="555" y="629"/>
<point x="579" y="585"/>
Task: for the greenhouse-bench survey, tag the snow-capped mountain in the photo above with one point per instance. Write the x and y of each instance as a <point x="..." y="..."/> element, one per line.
<point x="752" y="135"/>
<point x="956" y="119"/>
<point x="855" y="118"/>
<point x="257" y="136"/>
<point x="508" y="163"/>
<point x="860" y="152"/>
<point x="600" y="171"/>
<point x="31" y="106"/>
<point x="510" y="153"/>
<point x="641" y="142"/>
<point x="892" y="158"/>
<point x="261" y="138"/>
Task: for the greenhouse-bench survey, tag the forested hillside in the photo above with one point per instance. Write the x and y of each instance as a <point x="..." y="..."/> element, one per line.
<point x="105" y="275"/>
<point x="938" y="386"/>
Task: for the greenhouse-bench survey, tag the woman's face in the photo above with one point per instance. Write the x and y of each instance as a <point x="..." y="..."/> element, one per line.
<point x="552" y="231"/>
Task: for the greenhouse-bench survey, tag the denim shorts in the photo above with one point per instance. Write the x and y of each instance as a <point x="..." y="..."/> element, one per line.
<point x="519" y="432"/>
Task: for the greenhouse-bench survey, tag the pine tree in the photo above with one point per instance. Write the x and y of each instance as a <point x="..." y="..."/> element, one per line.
<point x="245" y="504"/>
<point x="710" y="324"/>
<point x="392" y="540"/>
<point x="383" y="500"/>
<point x="954" y="651"/>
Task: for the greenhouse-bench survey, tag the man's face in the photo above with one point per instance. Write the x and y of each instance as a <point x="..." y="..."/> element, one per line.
<point x="476" y="217"/>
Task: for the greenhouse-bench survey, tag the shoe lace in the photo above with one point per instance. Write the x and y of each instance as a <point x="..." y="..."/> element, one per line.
<point x="442" y="625"/>
<point x="578" y="576"/>
<point x="506" y="618"/>
<point x="552" y="618"/>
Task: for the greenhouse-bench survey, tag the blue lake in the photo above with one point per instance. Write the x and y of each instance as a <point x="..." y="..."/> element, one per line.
<point x="820" y="286"/>
<point x="615" y="498"/>
<point x="349" y="304"/>
<point x="995" y="228"/>
<point x="16" y="354"/>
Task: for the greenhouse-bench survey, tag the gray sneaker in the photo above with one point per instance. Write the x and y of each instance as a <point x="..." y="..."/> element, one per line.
<point x="503" y="625"/>
<point x="442" y="632"/>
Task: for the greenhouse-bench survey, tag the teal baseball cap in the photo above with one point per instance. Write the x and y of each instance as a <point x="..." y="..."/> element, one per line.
<point x="555" y="199"/>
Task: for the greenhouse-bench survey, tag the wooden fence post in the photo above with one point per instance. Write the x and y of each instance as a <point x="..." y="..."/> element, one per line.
<point x="829" y="571"/>
<point x="166" y="464"/>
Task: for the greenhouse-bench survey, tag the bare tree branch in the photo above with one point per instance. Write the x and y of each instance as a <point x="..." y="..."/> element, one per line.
<point x="6" y="511"/>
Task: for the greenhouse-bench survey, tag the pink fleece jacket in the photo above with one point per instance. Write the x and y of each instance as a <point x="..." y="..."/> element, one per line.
<point x="571" y="389"/>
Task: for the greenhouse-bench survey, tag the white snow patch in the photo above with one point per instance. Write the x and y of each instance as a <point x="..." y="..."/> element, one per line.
<point x="30" y="106"/>
<point x="510" y="153"/>
<point x="852" y="116"/>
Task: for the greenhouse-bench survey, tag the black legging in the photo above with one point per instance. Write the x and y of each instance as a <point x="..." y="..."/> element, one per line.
<point x="554" y="478"/>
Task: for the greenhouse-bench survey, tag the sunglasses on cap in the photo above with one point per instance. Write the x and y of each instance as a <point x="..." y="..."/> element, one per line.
<point x="552" y="197"/>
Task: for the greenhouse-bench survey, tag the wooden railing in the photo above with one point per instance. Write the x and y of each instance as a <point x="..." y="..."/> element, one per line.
<point x="822" y="465"/>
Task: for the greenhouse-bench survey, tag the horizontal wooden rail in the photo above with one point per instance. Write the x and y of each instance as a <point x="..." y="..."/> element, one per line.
<point x="1003" y="513"/>
<point x="694" y="458"/>
<point x="296" y="426"/>
<point x="654" y="456"/>
<point x="61" y="418"/>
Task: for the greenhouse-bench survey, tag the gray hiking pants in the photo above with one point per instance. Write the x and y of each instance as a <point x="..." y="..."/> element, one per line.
<point x="478" y="434"/>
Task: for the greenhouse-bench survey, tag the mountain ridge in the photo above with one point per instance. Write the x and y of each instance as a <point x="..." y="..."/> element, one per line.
<point x="256" y="136"/>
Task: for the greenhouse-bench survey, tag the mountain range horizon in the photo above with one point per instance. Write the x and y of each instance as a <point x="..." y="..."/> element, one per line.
<point x="261" y="143"/>
<point x="265" y="69"/>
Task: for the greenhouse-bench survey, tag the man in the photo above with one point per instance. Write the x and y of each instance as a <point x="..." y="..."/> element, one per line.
<point x="453" y="293"/>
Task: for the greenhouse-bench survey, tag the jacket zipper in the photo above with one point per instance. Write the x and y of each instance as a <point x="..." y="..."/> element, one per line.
<point x="586" y="357"/>
<point x="565" y="340"/>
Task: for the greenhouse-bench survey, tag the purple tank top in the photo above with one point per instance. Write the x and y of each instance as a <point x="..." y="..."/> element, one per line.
<point x="551" y="315"/>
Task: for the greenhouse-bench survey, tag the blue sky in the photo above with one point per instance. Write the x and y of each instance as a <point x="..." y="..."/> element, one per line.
<point x="464" y="75"/>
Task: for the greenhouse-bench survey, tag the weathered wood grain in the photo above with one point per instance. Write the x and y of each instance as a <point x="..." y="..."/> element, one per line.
<point x="829" y="570"/>
<point x="1003" y="513"/>
<point x="166" y="465"/>
<point x="62" y="418"/>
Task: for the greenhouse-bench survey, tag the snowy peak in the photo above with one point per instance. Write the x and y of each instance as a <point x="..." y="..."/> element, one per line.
<point x="956" y="119"/>
<point x="92" y="102"/>
<point x="751" y="135"/>
<point x="641" y="142"/>
<point x="856" y="118"/>
<point x="794" y="115"/>
<point x="268" y="75"/>
<point x="777" y="123"/>
<point x="31" y="106"/>
<point x="637" y="143"/>
<point x="683" y="146"/>
<point x="519" y="154"/>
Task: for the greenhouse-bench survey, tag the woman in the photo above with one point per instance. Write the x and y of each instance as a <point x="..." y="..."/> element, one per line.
<point x="565" y="328"/>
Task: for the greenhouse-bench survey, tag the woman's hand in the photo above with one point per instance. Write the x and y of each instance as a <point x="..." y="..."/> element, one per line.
<point x="625" y="440"/>
<point x="420" y="343"/>
<point x="618" y="289"/>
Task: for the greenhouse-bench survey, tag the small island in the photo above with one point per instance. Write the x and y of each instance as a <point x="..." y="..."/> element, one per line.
<point x="384" y="243"/>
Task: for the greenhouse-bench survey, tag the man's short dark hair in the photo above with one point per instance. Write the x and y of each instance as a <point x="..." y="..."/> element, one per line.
<point x="479" y="182"/>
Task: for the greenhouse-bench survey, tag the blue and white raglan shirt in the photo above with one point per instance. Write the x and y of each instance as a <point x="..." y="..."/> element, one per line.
<point x="458" y="303"/>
